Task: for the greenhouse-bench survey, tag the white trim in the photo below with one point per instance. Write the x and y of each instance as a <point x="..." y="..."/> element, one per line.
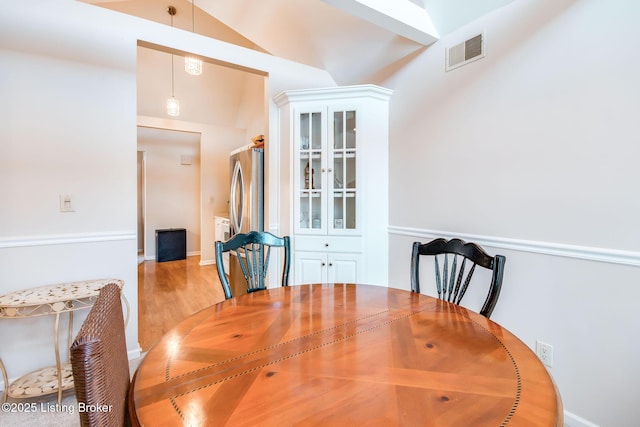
<point x="207" y="262"/>
<point x="135" y="353"/>
<point x="350" y="93"/>
<point x="274" y="229"/>
<point x="406" y="19"/>
<point x="588" y="253"/>
<point x="66" y="239"/>
<point x="572" y="420"/>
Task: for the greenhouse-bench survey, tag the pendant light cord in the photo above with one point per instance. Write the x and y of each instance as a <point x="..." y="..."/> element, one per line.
<point x="172" y="85"/>
<point x="172" y="11"/>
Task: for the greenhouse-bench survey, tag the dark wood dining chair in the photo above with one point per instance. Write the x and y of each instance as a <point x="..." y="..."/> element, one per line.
<point x="452" y="282"/>
<point x="253" y="251"/>
<point x="100" y="363"/>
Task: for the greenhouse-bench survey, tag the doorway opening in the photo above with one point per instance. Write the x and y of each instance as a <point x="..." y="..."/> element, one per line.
<point x="225" y="107"/>
<point x="169" y="196"/>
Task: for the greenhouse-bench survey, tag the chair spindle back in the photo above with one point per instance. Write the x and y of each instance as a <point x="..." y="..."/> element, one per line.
<point x="253" y="251"/>
<point x="452" y="282"/>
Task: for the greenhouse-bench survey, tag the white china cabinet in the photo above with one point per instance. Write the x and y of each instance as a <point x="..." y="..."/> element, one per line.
<point x="334" y="142"/>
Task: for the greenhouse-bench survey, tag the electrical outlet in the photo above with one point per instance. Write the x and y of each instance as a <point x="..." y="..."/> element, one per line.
<point x="544" y="352"/>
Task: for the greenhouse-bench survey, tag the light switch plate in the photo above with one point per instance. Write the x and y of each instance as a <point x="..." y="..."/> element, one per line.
<point x="66" y="203"/>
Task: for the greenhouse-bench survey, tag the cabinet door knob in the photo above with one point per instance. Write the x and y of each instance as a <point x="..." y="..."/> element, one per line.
<point x="330" y="264"/>
<point x="323" y="264"/>
<point x="329" y="169"/>
<point x="323" y="170"/>
<point x="326" y="245"/>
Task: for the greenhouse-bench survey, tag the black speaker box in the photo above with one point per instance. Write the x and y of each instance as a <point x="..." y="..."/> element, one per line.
<point x="171" y="244"/>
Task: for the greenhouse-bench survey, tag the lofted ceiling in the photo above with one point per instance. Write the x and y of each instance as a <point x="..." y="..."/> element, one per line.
<point x="353" y="40"/>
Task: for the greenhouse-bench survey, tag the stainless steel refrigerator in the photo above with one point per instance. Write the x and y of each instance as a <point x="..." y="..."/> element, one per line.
<point x="246" y="204"/>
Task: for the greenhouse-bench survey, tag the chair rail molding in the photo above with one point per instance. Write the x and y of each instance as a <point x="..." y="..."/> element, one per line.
<point x="65" y="239"/>
<point x="588" y="253"/>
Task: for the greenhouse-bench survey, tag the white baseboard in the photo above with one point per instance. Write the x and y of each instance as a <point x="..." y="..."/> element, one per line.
<point x="588" y="253"/>
<point x="195" y="253"/>
<point x="572" y="420"/>
<point x="134" y="354"/>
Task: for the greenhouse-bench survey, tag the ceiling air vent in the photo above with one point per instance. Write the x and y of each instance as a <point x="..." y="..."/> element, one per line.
<point x="465" y="52"/>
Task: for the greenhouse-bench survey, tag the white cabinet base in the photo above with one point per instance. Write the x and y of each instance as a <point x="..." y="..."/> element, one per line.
<point x="319" y="267"/>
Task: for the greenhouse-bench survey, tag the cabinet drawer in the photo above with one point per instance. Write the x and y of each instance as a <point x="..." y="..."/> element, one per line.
<point x="328" y="244"/>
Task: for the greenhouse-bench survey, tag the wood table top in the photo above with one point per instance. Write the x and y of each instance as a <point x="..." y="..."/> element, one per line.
<point x="341" y="354"/>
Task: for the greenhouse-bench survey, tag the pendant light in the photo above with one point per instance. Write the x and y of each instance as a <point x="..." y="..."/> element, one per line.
<point x="173" y="105"/>
<point x="193" y="65"/>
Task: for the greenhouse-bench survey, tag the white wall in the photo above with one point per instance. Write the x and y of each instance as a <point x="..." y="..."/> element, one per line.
<point x="217" y="143"/>
<point x="532" y="151"/>
<point x="253" y="112"/>
<point x="69" y="126"/>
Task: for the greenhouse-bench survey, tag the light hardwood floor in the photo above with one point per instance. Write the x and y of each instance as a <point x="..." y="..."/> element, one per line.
<point x="168" y="292"/>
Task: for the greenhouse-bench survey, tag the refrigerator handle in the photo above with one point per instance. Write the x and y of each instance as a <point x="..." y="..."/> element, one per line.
<point x="236" y="180"/>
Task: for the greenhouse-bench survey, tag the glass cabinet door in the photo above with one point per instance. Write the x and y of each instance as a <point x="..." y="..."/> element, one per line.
<point x="344" y="185"/>
<point x="310" y="171"/>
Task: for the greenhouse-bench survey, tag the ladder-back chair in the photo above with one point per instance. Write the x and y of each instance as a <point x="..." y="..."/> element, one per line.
<point x="253" y="251"/>
<point x="452" y="280"/>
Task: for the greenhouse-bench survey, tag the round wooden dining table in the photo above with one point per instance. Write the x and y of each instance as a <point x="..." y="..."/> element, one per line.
<point x="341" y="355"/>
